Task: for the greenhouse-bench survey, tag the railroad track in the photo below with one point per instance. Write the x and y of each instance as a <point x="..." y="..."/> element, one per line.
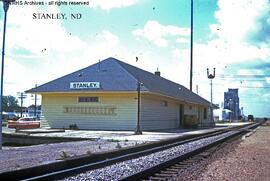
<point x="133" y="164"/>
<point x="175" y="167"/>
<point x="183" y="168"/>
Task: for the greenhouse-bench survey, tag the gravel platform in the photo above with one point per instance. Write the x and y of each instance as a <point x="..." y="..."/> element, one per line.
<point x="15" y="158"/>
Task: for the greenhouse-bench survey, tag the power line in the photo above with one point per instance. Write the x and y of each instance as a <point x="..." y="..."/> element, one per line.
<point x="240" y="86"/>
<point x="244" y="76"/>
<point x="241" y="79"/>
<point x="251" y="87"/>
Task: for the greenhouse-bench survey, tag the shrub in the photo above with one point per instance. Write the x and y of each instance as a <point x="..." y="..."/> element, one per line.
<point x="73" y="127"/>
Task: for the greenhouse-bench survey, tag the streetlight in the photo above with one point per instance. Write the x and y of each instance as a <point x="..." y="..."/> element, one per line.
<point x="211" y="77"/>
<point x="5" y="7"/>
<point x="138" y="128"/>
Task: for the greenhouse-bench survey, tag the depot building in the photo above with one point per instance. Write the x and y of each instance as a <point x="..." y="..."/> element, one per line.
<point x="104" y="96"/>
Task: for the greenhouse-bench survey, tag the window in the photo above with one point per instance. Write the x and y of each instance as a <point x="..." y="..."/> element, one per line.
<point x="190" y="107"/>
<point x="91" y="110"/>
<point x="88" y="99"/>
<point x="164" y="103"/>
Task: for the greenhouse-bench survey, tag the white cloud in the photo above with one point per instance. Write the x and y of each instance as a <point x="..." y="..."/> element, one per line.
<point x="109" y="4"/>
<point x="268" y="80"/>
<point x="48" y="50"/>
<point x="182" y="40"/>
<point x="177" y="53"/>
<point x="230" y="44"/>
<point x="249" y="72"/>
<point x="110" y="39"/>
<point x="39" y="35"/>
<point x="183" y="54"/>
<point x="266" y="97"/>
<point x="237" y="18"/>
<point x="157" y="33"/>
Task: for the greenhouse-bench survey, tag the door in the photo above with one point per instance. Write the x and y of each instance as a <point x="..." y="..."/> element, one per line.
<point x="199" y="116"/>
<point x="181" y="115"/>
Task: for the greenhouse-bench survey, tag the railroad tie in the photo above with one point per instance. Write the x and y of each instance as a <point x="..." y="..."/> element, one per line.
<point x="173" y="169"/>
<point x="168" y="172"/>
<point x="162" y="175"/>
<point x="157" y="178"/>
<point x="205" y="154"/>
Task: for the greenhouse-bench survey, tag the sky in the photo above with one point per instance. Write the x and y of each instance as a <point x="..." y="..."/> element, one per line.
<point x="231" y="36"/>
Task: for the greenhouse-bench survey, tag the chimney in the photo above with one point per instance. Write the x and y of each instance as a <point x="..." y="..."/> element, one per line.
<point x="157" y="72"/>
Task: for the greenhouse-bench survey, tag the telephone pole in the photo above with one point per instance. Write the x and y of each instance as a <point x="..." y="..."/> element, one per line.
<point x="21" y="96"/>
<point x="191" y="44"/>
<point x="35" y="109"/>
<point x="5" y="7"/>
<point x="138" y="130"/>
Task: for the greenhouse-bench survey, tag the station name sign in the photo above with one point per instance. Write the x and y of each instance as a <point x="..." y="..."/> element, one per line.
<point x="84" y="85"/>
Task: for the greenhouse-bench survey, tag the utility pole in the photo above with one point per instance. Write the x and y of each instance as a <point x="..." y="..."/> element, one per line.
<point x="191" y="44"/>
<point x="35" y="110"/>
<point x="138" y="128"/>
<point x="21" y="96"/>
<point x="242" y="113"/>
<point x="5" y="7"/>
<point x="211" y="77"/>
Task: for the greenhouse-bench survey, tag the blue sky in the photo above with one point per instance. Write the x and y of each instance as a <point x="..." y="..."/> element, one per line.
<point x="232" y="36"/>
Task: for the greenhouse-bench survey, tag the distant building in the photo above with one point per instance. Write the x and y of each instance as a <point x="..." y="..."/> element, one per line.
<point x="231" y="103"/>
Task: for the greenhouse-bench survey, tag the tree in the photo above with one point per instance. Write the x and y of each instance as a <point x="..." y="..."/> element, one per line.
<point x="33" y="107"/>
<point x="10" y="104"/>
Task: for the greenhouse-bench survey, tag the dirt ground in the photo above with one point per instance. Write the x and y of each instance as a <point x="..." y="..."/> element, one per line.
<point x="244" y="160"/>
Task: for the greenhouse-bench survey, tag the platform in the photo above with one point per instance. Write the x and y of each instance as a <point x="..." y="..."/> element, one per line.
<point x="147" y="136"/>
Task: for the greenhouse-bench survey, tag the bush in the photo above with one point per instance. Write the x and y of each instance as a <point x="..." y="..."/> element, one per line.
<point x="73" y="127"/>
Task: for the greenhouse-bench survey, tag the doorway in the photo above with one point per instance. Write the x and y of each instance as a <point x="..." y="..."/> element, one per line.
<point x="181" y="115"/>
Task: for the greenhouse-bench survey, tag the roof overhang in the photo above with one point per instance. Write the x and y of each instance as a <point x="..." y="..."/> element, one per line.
<point x="86" y="92"/>
<point x="177" y="99"/>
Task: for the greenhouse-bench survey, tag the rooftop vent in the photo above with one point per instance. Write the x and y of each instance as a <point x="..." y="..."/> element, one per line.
<point x="80" y="74"/>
